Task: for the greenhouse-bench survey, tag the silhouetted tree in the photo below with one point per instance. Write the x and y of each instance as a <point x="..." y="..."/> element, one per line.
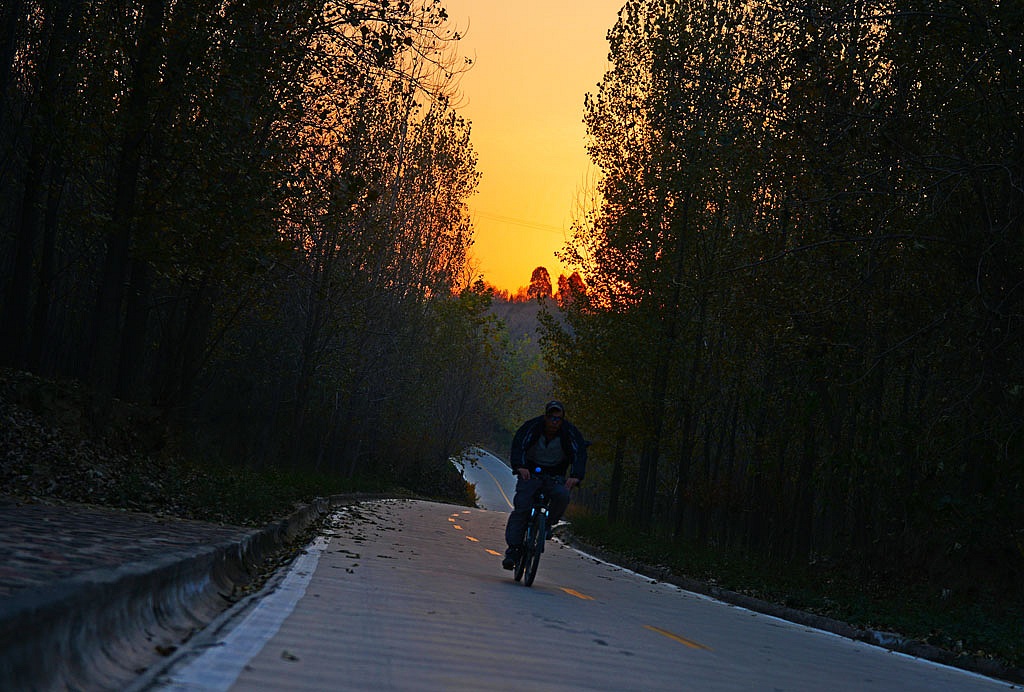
<point x="540" y="284"/>
<point x="570" y="288"/>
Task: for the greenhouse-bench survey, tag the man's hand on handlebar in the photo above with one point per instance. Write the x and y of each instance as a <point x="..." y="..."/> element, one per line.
<point x="524" y="473"/>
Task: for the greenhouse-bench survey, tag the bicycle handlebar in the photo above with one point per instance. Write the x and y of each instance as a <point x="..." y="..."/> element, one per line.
<point x="539" y="471"/>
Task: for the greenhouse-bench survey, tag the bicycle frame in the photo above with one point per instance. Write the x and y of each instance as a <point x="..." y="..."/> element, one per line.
<point x="536" y="535"/>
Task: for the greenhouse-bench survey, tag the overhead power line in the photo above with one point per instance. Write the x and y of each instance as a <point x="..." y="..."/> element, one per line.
<point x="520" y="222"/>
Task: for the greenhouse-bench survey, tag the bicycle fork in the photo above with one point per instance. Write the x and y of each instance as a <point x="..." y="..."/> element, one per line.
<point x="540" y="527"/>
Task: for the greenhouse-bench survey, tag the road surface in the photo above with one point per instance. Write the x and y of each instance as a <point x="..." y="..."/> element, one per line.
<point x="495" y="484"/>
<point x="410" y="595"/>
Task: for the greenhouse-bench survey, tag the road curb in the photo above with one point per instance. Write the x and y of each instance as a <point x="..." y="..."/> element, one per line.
<point x="101" y="629"/>
<point x="886" y="640"/>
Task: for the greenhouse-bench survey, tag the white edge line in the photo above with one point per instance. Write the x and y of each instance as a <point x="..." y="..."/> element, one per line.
<point x="217" y="668"/>
<point x="672" y="587"/>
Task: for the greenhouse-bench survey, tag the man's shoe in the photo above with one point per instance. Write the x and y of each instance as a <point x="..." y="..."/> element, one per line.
<point x="511" y="556"/>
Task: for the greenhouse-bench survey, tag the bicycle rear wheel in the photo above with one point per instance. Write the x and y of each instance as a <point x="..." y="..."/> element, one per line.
<point x="534" y="547"/>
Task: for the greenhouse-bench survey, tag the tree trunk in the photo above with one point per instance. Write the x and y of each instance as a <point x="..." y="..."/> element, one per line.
<point x="13" y="10"/>
<point x="647" y="485"/>
<point x="47" y="259"/>
<point x="17" y="307"/>
<point x="109" y="305"/>
<point x="615" y="486"/>
<point x="133" y="337"/>
<point x="18" y="291"/>
<point x="683" y="470"/>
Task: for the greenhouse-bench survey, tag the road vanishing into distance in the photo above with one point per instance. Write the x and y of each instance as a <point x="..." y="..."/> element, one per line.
<point x="410" y="595"/>
<point x="495" y="484"/>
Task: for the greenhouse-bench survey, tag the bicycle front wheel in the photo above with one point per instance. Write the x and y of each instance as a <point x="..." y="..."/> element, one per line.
<point x="521" y="563"/>
<point x="534" y="547"/>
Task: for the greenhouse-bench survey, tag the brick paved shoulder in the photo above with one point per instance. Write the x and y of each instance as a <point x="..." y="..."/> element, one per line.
<point x="41" y="543"/>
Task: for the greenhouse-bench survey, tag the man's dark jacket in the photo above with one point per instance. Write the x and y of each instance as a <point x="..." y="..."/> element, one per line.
<point x="573" y="444"/>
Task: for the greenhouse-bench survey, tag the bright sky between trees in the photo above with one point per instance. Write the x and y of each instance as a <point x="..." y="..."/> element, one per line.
<point x="534" y="60"/>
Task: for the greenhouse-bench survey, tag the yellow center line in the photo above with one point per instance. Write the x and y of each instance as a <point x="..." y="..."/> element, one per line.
<point x="494" y="552"/>
<point x="470" y="538"/>
<point x="457" y="527"/>
<point x="676" y="637"/>
<point x="577" y="594"/>
<point x="500" y="489"/>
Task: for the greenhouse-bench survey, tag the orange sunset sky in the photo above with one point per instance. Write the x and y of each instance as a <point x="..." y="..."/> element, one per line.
<point x="533" y="62"/>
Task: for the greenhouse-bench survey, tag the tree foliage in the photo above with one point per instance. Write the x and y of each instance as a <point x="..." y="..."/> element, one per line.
<point x="540" y="284"/>
<point x="803" y="329"/>
<point x="250" y="215"/>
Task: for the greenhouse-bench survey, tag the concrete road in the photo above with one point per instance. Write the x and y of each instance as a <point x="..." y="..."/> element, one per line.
<point x="406" y="595"/>
<point x="495" y="484"/>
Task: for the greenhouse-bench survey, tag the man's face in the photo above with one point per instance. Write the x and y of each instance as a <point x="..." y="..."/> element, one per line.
<point x="552" y="421"/>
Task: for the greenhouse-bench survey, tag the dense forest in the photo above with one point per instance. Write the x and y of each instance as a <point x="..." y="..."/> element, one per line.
<point x="794" y="326"/>
<point x="802" y="332"/>
<point x="252" y="219"/>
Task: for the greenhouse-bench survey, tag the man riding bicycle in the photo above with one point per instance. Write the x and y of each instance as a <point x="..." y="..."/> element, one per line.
<point x="553" y="445"/>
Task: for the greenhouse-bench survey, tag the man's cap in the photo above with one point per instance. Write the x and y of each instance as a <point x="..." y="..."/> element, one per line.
<point x="554" y="406"/>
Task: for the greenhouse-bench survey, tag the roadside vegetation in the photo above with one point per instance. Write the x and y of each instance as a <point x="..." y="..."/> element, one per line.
<point x="801" y="341"/>
<point x="799" y="355"/>
<point x="246" y="229"/>
<point x="52" y="452"/>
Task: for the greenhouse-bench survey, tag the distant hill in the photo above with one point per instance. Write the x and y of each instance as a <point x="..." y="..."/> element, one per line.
<point x="519" y="311"/>
<point x="521" y="318"/>
<point x="533" y="384"/>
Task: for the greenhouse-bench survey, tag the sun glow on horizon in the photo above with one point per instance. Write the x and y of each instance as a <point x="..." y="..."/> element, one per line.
<point x="533" y="62"/>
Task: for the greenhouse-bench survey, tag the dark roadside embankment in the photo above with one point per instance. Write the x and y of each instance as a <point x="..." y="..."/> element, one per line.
<point x="91" y="596"/>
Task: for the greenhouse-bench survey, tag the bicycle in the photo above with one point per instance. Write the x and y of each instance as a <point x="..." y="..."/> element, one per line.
<point x="536" y="535"/>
